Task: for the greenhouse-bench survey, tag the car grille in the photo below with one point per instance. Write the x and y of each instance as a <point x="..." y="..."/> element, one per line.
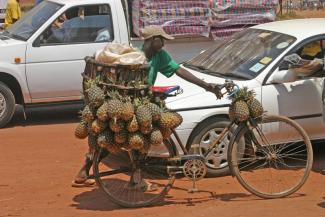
<point x="2" y="20"/>
<point x="2" y="11"/>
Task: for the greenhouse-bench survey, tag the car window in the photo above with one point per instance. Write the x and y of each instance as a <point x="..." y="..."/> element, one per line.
<point x="245" y="55"/>
<point x="24" y="28"/>
<point x="83" y="24"/>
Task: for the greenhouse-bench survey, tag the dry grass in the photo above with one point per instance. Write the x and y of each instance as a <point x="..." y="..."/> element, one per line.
<point x="297" y="14"/>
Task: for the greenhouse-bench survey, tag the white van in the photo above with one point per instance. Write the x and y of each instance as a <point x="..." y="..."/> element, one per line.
<point x="3" y="5"/>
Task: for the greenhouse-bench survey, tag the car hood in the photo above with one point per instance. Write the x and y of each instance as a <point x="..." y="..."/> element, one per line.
<point x="11" y="49"/>
<point x="194" y="96"/>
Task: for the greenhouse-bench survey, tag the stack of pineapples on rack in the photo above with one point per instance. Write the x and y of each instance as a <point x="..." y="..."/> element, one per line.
<point x="117" y="121"/>
<point x="244" y="105"/>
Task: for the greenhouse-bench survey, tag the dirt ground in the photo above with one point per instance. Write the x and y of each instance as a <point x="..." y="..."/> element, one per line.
<point x="39" y="158"/>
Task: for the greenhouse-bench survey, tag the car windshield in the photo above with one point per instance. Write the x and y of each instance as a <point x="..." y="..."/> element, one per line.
<point x="243" y="56"/>
<point x="24" y="28"/>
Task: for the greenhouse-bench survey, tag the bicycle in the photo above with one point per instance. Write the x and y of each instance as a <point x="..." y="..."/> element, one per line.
<point x="261" y="151"/>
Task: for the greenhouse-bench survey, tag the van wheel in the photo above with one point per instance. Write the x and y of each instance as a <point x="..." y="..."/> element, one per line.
<point x="204" y="135"/>
<point x="7" y="104"/>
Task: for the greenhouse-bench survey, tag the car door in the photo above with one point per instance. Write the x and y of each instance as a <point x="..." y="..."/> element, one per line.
<point x="55" y="61"/>
<point x="300" y="98"/>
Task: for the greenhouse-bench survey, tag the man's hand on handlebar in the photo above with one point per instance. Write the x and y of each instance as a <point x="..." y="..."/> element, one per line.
<point x="217" y="88"/>
<point x="214" y="88"/>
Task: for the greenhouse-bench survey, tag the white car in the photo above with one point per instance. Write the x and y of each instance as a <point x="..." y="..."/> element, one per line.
<point x="252" y="58"/>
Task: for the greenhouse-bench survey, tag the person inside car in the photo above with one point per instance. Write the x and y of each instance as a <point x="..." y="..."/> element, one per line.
<point x="160" y="62"/>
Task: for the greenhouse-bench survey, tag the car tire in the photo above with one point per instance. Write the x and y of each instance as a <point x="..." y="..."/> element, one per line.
<point x="7" y="104"/>
<point x="203" y="135"/>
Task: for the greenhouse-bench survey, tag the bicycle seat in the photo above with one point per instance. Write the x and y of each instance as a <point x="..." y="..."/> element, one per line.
<point x="165" y="89"/>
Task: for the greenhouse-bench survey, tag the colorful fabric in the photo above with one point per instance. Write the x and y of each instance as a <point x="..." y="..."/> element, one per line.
<point x="150" y="4"/>
<point x="176" y="12"/>
<point x="177" y="17"/>
<point x="171" y="21"/>
<point x="221" y="4"/>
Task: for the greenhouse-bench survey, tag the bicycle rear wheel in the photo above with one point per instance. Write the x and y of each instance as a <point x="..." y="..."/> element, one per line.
<point x="277" y="158"/>
<point x="128" y="178"/>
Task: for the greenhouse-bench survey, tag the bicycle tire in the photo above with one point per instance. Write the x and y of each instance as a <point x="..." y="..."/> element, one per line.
<point x="278" y="157"/>
<point x="130" y="196"/>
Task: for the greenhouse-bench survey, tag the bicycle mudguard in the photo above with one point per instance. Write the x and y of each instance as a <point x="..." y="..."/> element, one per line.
<point x="165" y="89"/>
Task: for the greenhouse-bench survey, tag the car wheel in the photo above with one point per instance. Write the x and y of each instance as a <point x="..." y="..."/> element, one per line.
<point x="7" y="104"/>
<point x="204" y="135"/>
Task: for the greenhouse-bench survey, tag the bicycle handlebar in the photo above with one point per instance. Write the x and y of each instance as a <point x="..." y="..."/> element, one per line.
<point x="229" y="85"/>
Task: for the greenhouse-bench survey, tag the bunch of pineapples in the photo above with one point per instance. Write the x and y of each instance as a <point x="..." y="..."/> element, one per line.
<point x="244" y="105"/>
<point x="115" y="121"/>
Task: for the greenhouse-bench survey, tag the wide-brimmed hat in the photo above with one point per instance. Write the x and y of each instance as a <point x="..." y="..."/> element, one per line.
<point x="151" y="31"/>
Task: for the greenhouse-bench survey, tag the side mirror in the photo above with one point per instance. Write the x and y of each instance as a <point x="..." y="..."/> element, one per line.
<point x="37" y="42"/>
<point x="284" y="65"/>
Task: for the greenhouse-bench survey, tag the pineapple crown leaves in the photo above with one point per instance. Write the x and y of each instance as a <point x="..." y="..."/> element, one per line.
<point x="243" y="94"/>
<point x="138" y="102"/>
<point x="91" y="82"/>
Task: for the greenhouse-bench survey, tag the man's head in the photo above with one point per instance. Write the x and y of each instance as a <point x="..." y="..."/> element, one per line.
<point x="154" y="37"/>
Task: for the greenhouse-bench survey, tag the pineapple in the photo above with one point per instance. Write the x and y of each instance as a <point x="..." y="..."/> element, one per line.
<point x="103" y="139"/>
<point x="154" y="110"/>
<point x="156" y="137"/>
<point x="121" y="137"/>
<point x="115" y="108"/>
<point x="241" y="110"/>
<point x="88" y="114"/>
<point x="102" y="112"/>
<point x="116" y="125"/>
<point x="143" y="115"/>
<point x="98" y="126"/>
<point x="146" y="129"/>
<point x="91" y="82"/>
<point x="255" y="107"/>
<point x="81" y="131"/>
<point x="96" y="96"/>
<point x="167" y="120"/>
<point x="132" y="126"/>
<point x="177" y="119"/>
<point x="127" y="111"/>
<point x="136" y="141"/>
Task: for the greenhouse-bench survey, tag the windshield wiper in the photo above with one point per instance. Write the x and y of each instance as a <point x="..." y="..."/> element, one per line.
<point x="21" y="38"/>
<point x="14" y="36"/>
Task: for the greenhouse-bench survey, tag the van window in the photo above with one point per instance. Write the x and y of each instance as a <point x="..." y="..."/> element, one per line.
<point x="82" y="24"/>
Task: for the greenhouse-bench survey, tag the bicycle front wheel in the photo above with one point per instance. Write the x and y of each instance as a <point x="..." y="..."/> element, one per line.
<point x="277" y="157"/>
<point x="132" y="180"/>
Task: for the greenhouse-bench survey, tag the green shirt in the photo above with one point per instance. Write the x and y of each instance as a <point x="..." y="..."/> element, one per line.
<point x="163" y="63"/>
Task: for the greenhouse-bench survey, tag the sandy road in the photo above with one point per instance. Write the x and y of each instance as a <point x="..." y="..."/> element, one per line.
<point x="39" y="157"/>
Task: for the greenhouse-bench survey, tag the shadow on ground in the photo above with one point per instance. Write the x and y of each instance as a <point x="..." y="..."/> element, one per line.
<point x="96" y="200"/>
<point x="322" y="204"/>
<point x="46" y="116"/>
<point x="319" y="156"/>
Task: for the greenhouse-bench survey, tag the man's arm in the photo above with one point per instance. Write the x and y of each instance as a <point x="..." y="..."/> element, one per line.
<point x="186" y="75"/>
